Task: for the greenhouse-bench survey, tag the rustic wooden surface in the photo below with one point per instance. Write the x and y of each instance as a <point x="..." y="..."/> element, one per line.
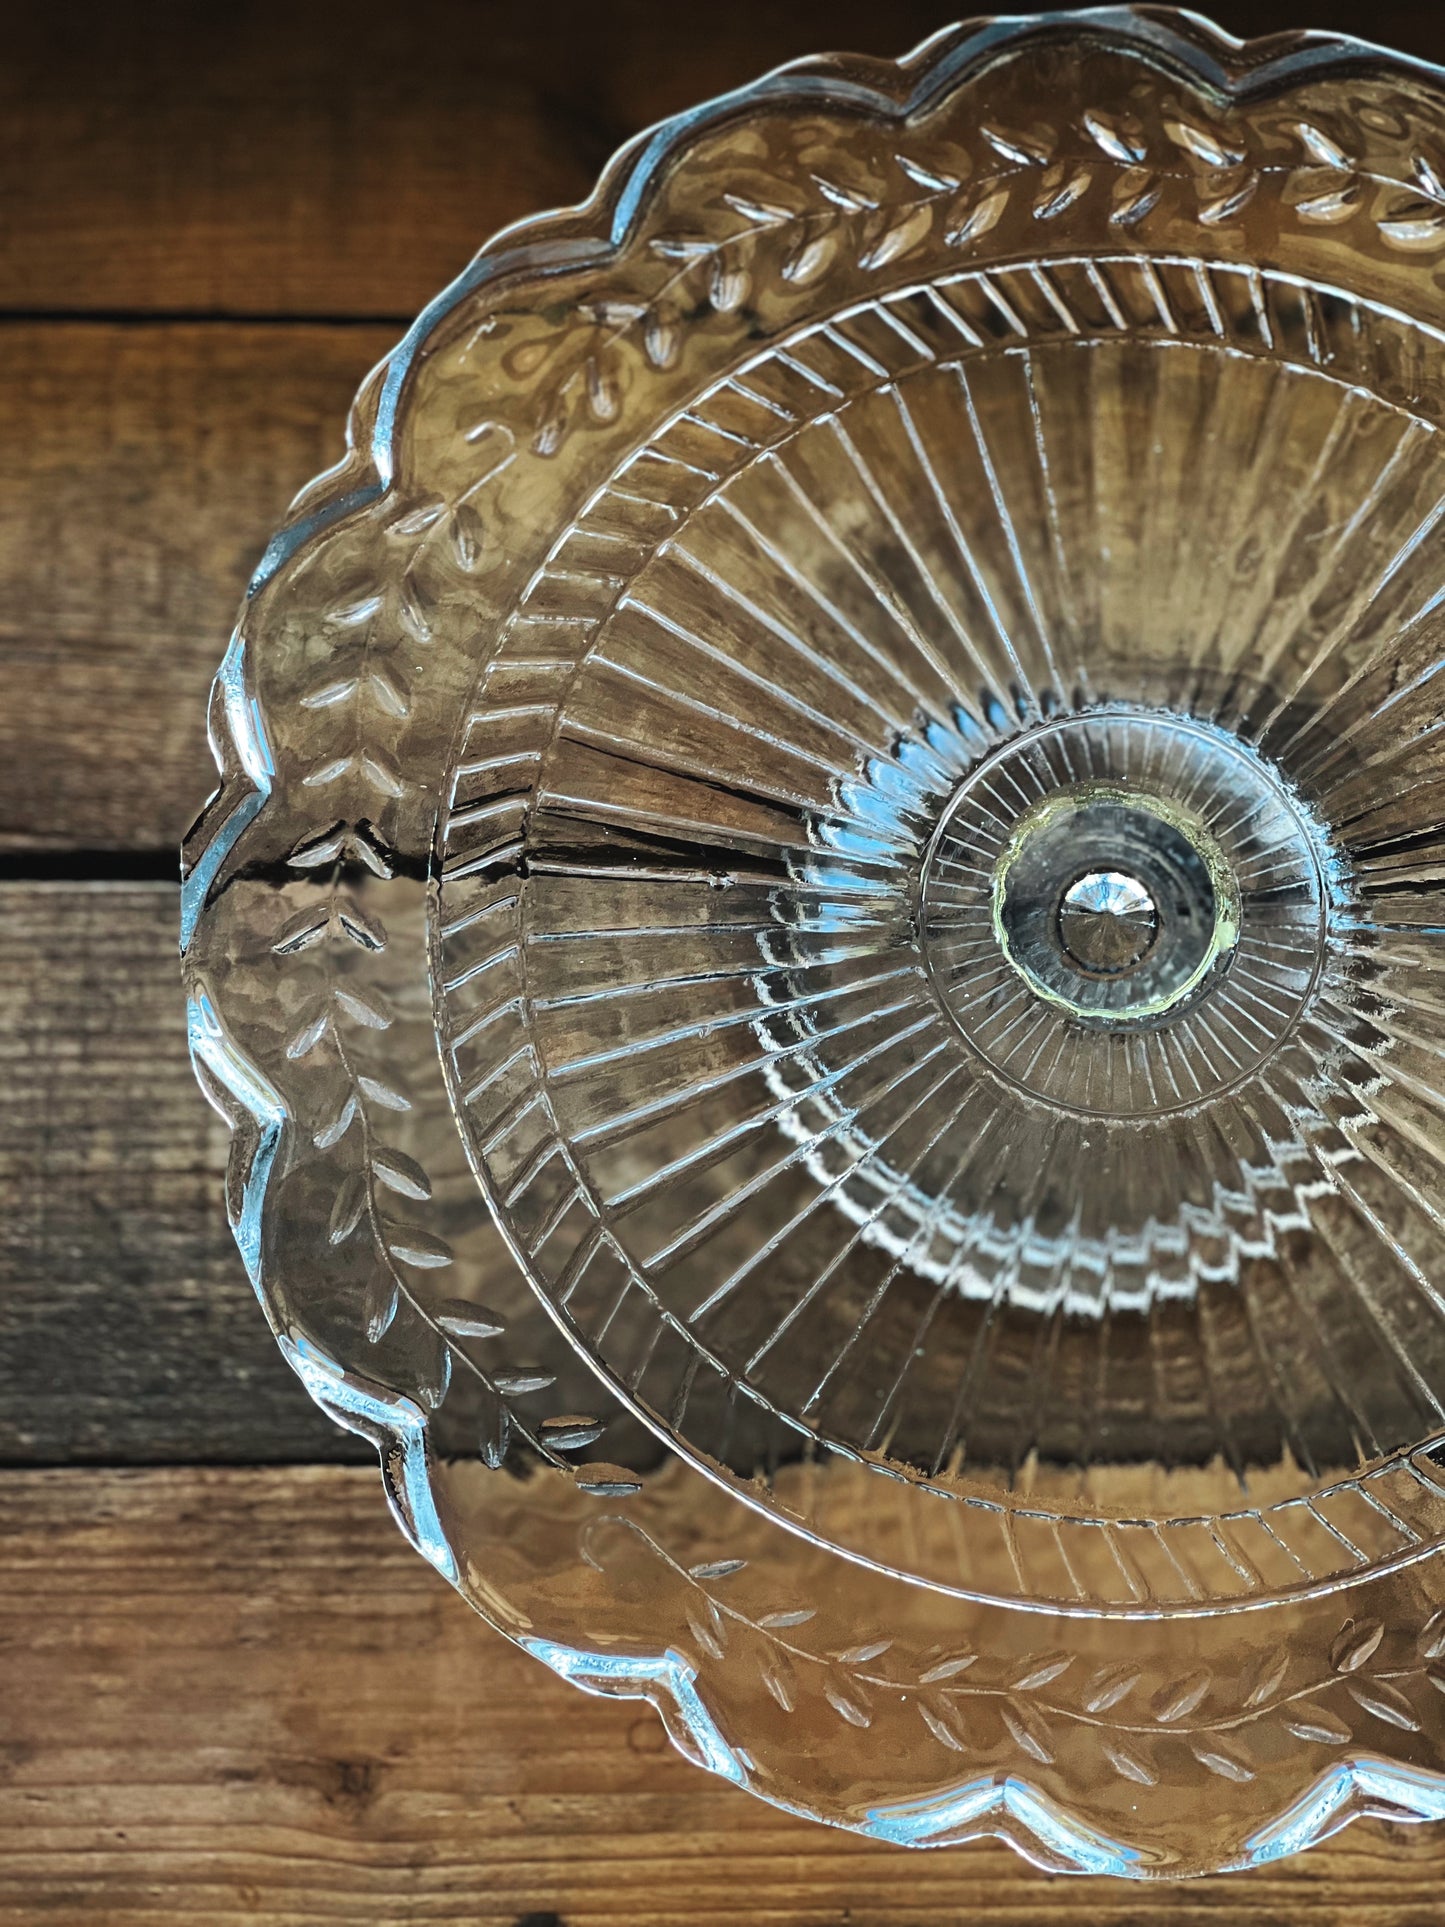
<point x="128" y="1331"/>
<point x="238" y="1697"/>
<point x="228" y="1692"/>
<point x="159" y="456"/>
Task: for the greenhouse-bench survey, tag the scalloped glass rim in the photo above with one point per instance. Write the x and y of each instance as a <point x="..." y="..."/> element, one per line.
<point x="1178" y="40"/>
<point x="1183" y="47"/>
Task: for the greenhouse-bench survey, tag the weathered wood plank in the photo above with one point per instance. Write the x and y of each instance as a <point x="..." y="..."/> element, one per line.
<point x="237" y="1696"/>
<point x="128" y="1331"/>
<point x="158" y="458"/>
<point x="280" y="158"/>
<point x="277" y="158"/>
<point x="157" y="461"/>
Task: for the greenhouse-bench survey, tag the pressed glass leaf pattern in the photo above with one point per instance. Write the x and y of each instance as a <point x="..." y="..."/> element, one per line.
<point x="822" y="932"/>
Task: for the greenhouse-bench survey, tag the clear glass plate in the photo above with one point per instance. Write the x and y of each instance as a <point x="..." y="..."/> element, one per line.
<point x="849" y="759"/>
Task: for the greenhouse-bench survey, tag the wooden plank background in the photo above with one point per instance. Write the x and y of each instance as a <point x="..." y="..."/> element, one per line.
<point x="228" y="1692"/>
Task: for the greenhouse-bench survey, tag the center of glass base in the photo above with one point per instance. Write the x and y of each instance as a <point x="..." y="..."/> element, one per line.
<point x="1113" y="903"/>
<point x="1107" y="922"/>
<point x="1118" y="944"/>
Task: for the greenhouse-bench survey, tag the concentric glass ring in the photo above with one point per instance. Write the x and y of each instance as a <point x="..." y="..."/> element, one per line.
<point x="821" y="938"/>
<point x="747" y="1073"/>
<point x="1231" y="870"/>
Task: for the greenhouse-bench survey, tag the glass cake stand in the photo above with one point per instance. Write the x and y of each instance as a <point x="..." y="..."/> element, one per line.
<point x="824" y="938"/>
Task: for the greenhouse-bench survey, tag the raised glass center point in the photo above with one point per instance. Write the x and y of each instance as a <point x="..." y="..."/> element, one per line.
<point x="1113" y="903"/>
<point x="1107" y="922"/>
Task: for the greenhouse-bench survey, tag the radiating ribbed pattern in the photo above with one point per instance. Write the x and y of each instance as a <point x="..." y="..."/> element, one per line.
<point x="780" y="1127"/>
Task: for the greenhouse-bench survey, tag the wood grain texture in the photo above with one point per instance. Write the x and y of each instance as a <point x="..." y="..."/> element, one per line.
<point x="279" y="157"/>
<point x="239" y="1697"/>
<point x="128" y="1330"/>
<point x="283" y="157"/>
<point x="190" y="165"/>
<point x="236" y="1696"/>
<point x="157" y="462"/>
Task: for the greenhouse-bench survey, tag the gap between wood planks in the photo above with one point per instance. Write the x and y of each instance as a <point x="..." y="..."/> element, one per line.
<point x="90" y="866"/>
<point x="17" y="317"/>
